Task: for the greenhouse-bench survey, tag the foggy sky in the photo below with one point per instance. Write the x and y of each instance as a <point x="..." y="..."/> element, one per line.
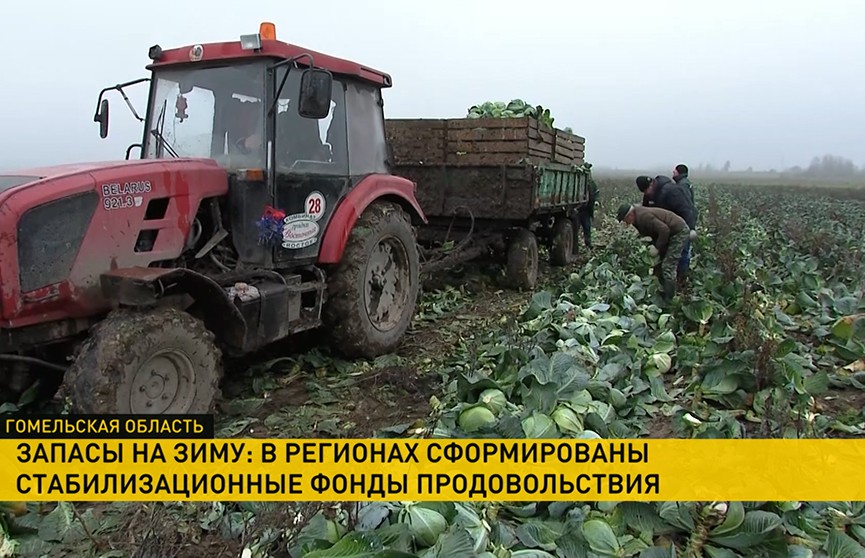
<point x="766" y="84"/>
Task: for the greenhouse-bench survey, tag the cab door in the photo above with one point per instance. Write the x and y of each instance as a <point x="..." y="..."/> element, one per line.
<point x="310" y="162"/>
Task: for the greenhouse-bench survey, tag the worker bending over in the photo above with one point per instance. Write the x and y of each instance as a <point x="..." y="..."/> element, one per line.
<point x="668" y="231"/>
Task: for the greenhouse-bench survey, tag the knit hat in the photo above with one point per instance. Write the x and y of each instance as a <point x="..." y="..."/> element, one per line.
<point x="643" y="182"/>
<point x="624" y="209"/>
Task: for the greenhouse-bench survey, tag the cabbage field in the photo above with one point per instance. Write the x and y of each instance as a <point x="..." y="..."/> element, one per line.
<point x="766" y="341"/>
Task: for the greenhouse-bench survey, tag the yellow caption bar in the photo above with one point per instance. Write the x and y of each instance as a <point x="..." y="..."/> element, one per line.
<point x="441" y="469"/>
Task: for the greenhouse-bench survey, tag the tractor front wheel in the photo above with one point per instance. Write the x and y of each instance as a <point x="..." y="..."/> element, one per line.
<point x="152" y="362"/>
<point x="373" y="292"/>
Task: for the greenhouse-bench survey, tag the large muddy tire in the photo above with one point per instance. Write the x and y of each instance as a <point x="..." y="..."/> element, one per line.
<point x="160" y="361"/>
<point x="522" y="264"/>
<point x="372" y="293"/>
<point x="562" y="243"/>
<point x="579" y="239"/>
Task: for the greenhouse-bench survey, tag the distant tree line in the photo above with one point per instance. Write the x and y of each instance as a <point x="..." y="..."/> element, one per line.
<point x="831" y="168"/>
<point x="828" y="166"/>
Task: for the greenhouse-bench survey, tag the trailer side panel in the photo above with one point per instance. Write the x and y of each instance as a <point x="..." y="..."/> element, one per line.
<point x="515" y="192"/>
<point x="482" y="141"/>
<point x="488" y="192"/>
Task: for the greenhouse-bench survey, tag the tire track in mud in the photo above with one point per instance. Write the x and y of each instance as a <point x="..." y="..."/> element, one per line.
<point x="340" y="398"/>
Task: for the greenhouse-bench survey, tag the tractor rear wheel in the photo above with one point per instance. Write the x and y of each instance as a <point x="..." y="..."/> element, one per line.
<point x="522" y="264"/>
<point x="562" y="244"/>
<point x="373" y="292"/>
<point x="160" y="361"/>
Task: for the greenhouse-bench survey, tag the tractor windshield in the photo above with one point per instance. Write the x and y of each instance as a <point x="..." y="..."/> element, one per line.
<point x="215" y="112"/>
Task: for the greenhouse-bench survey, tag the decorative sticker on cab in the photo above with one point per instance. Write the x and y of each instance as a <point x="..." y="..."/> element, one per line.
<point x="299" y="231"/>
<point x="315" y="205"/>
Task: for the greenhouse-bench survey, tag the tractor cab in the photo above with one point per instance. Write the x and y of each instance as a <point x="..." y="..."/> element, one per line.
<point x="261" y="206"/>
<point x="281" y="121"/>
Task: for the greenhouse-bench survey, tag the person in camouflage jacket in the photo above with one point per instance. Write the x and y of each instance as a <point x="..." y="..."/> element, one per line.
<point x="663" y="193"/>
<point x="668" y="232"/>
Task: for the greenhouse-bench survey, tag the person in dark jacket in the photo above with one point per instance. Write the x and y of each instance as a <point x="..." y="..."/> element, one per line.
<point x="662" y="192"/>
<point x="648" y="186"/>
<point x="668" y="232"/>
<point x="586" y="213"/>
<point x="680" y="177"/>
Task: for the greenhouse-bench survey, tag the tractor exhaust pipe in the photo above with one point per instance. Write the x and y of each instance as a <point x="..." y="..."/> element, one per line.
<point x="33" y="361"/>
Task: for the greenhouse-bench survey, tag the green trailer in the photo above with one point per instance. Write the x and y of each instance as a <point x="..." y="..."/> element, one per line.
<point x="499" y="186"/>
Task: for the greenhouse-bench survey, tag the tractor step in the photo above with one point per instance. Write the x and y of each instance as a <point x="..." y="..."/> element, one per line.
<point x="308" y="287"/>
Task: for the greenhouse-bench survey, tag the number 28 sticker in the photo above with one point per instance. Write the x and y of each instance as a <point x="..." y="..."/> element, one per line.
<point x="314" y="205"/>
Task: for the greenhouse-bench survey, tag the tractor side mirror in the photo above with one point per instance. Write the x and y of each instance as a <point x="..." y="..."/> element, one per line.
<point x="185" y="86"/>
<point x="102" y="118"/>
<point x="315" y="93"/>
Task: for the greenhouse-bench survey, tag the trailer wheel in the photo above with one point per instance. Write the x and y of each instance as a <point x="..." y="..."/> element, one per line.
<point x="576" y="227"/>
<point x="562" y="246"/>
<point x="373" y="292"/>
<point x="160" y="361"/>
<point x="522" y="265"/>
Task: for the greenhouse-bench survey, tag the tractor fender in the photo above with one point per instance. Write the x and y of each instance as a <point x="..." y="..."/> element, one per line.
<point x="371" y="188"/>
<point x="148" y="286"/>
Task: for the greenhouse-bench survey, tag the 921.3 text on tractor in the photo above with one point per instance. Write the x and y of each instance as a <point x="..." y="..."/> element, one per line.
<point x="261" y="206"/>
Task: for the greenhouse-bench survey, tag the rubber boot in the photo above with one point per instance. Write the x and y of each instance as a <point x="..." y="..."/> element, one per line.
<point x="669" y="290"/>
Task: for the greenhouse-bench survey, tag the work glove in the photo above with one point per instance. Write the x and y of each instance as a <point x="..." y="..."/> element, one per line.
<point x="653" y="250"/>
<point x="693" y="234"/>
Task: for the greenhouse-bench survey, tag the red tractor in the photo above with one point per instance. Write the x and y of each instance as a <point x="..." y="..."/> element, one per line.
<point x="261" y="206"/>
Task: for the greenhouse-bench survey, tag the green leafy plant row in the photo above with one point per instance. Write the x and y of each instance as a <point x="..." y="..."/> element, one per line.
<point x="767" y="331"/>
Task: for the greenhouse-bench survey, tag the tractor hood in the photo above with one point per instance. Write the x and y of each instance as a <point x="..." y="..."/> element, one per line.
<point x="12" y="180"/>
<point x="21" y="177"/>
<point x="26" y="177"/>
